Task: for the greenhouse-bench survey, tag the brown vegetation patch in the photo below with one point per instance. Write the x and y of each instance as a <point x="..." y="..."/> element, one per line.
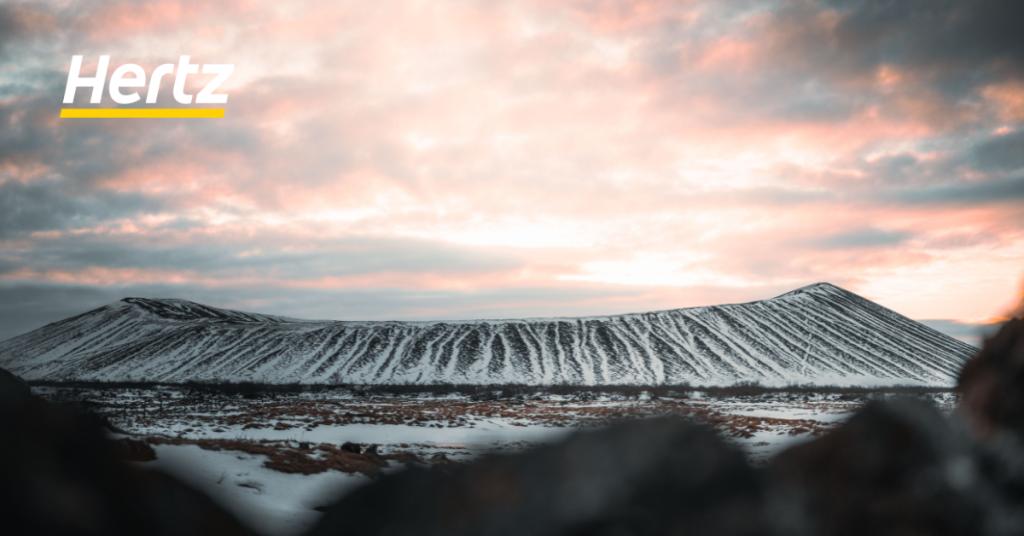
<point x="209" y="410"/>
<point x="289" y="413"/>
<point x="283" y="457"/>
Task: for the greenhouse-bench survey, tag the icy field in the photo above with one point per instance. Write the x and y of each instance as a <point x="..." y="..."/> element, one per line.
<point x="273" y="460"/>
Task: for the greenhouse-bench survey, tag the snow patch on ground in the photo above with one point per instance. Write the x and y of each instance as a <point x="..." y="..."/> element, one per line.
<point x="267" y="501"/>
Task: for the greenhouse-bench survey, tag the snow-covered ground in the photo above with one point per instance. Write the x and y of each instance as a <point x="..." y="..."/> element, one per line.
<point x="186" y="428"/>
<point x="269" y="502"/>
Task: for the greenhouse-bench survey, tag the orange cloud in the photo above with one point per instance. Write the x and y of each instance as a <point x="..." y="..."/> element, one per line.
<point x="661" y="147"/>
<point x="1009" y="98"/>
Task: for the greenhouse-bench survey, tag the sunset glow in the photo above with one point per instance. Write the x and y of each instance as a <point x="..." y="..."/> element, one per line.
<point x="452" y="159"/>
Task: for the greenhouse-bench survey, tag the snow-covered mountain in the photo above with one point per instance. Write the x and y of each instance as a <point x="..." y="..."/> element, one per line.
<point x="817" y="334"/>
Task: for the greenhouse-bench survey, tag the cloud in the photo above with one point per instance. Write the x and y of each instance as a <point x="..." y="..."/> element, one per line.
<point x="10" y="26"/>
<point x="995" y="191"/>
<point x="970" y="332"/>
<point x="1004" y="152"/>
<point x="51" y="205"/>
<point x="946" y="35"/>
<point x="27" y="306"/>
<point x="268" y="256"/>
<point x="19" y="23"/>
<point x="862" y="238"/>
<point x="919" y="59"/>
<point x="458" y="155"/>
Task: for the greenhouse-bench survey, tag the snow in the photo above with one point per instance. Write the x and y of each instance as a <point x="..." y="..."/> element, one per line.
<point x="792" y="413"/>
<point x="483" y="435"/>
<point x="267" y="501"/>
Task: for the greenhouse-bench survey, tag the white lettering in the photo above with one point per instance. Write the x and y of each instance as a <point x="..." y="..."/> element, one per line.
<point x="130" y="75"/>
<point x="206" y="95"/>
<point x="184" y="69"/>
<point x="117" y="82"/>
<point x="75" y="81"/>
<point x="154" y="81"/>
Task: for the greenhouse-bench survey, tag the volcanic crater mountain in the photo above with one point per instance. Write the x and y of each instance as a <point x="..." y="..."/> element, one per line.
<point x="819" y="334"/>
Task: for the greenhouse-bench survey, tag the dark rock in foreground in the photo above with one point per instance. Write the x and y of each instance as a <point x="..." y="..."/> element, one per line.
<point x="992" y="384"/>
<point x="59" y="475"/>
<point x="13" y="390"/>
<point x="900" y="468"/>
<point x="641" y="477"/>
<point x="132" y="450"/>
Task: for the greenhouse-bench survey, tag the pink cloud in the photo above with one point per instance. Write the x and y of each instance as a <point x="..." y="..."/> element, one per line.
<point x="639" y="145"/>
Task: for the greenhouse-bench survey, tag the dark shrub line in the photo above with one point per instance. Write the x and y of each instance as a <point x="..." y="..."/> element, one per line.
<point x="496" y="391"/>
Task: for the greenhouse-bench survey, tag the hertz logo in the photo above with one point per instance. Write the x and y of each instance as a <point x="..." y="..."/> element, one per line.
<point x="130" y="76"/>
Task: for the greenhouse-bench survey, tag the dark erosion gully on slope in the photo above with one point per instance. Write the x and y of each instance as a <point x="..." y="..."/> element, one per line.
<point x="820" y="334"/>
<point x="895" y="468"/>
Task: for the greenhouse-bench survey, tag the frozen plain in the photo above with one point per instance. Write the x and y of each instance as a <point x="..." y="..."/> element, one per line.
<point x="195" y="436"/>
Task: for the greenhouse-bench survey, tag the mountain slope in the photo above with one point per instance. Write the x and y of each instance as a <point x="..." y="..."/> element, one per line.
<point x="816" y="334"/>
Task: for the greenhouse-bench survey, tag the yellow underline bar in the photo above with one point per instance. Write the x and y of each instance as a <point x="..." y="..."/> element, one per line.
<point x="134" y="113"/>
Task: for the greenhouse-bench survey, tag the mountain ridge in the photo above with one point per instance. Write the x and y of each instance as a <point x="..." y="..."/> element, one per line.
<point x="815" y="334"/>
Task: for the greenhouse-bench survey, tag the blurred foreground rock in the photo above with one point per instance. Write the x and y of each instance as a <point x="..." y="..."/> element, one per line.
<point x="132" y="450"/>
<point x="59" y="475"/>
<point x="992" y="384"/>
<point x="640" y="477"/>
<point x="13" y="390"/>
<point x="899" y="468"/>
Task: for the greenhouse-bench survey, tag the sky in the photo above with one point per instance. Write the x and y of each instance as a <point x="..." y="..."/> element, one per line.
<point x="452" y="159"/>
